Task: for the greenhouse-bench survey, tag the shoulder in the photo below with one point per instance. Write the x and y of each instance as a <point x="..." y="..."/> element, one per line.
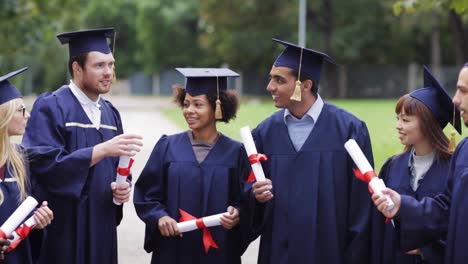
<point x="338" y="113"/>
<point x="271" y="120"/>
<point x="230" y="142"/>
<point x="51" y="99"/>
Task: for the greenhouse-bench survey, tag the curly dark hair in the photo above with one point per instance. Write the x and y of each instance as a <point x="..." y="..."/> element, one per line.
<point x="229" y="101"/>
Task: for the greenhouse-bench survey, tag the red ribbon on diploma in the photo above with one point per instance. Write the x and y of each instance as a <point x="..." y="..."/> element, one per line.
<point x="22" y="231"/>
<point x="125" y="171"/>
<point x="208" y="240"/>
<point x="367" y="177"/>
<point x="255" y="158"/>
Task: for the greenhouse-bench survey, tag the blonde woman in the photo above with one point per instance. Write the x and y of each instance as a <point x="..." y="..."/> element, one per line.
<point x="15" y="183"/>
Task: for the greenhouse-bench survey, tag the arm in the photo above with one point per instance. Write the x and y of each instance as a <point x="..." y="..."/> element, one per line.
<point x="359" y="206"/>
<point x="49" y="158"/>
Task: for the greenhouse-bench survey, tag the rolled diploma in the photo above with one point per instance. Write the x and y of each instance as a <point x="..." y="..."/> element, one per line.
<point x="251" y="150"/>
<point x="364" y="166"/>
<point x="30" y="224"/>
<point x="212" y="220"/>
<point x="124" y="162"/>
<point x="18" y="216"/>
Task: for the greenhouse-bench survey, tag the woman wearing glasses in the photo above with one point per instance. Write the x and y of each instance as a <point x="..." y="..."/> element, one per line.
<point x="15" y="181"/>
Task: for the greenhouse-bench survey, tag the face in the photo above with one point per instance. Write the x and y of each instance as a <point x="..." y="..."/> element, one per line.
<point x="198" y="112"/>
<point x="97" y="74"/>
<point x="461" y="96"/>
<point x="17" y="125"/>
<point x="281" y="86"/>
<point x="409" y="129"/>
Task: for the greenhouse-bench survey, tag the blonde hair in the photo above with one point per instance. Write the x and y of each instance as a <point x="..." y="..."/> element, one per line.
<point x="10" y="157"/>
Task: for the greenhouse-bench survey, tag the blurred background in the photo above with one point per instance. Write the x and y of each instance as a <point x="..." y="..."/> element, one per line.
<point x="379" y="46"/>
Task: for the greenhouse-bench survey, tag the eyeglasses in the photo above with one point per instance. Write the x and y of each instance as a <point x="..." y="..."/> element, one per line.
<point x="22" y="109"/>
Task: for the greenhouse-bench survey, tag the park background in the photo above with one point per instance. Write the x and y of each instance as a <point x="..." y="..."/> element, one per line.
<point x="379" y="46"/>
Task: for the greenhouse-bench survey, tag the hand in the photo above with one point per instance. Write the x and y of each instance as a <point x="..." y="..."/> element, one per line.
<point x="43" y="216"/>
<point x="262" y="191"/>
<point x="381" y="202"/>
<point x="121" y="193"/>
<point x="4" y="244"/>
<point x="121" y="145"/>
<point x="414" y="252"/>
<point x="231" y="218"/>
<point x="168" y="227"/>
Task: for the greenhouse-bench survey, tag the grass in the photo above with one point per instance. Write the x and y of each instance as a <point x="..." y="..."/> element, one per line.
<point x="378" y="114"/>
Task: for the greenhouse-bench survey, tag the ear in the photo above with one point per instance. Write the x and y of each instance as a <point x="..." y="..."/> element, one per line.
<point x="307" y="85"/>
<point x="77" y="70"/>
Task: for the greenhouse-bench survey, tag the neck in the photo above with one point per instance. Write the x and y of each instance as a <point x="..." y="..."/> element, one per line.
<point x="92" y="96"/>
<point x="209" y="134"/>
<point x="299" y="109"/>
<point x="422" y="148"/>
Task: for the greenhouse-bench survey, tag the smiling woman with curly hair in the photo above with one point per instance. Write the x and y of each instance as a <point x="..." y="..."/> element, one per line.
<point x="200" y="171"/>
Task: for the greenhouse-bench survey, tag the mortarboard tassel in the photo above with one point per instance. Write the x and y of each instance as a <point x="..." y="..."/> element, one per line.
<point x="297" y="92"/>
<point x="296" y="96"/>
<point x="218" y="111"/>
<point x="452" y="144"/>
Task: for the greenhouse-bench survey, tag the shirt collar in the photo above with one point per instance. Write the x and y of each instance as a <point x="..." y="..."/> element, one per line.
<point x="82" y="98"/>
<point x="314" y="111"/>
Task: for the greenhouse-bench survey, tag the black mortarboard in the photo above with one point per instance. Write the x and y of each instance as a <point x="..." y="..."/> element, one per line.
<point x="8" y="91"/>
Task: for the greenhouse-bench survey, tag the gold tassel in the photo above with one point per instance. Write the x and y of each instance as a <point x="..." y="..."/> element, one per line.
<point x="452" y="143"/>
<point x="297" y="92"/>
<point x="218" y="112"/>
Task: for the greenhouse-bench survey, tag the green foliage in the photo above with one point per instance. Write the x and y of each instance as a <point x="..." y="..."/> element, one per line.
<point x="168" y="34"/>
<point x="411" y="6"/>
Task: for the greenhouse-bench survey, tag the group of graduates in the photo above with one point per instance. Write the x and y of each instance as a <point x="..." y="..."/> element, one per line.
<point x="310" y="209"/>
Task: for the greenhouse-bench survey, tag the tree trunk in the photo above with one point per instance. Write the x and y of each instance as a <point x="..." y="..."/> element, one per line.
<point x="460" y="36"/>
<point x="435" y="46"/>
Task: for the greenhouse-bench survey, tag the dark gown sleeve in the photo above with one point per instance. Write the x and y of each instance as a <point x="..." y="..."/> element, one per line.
<point x="425" y="221"/>
<point x="256" y="211"/>
<point x="241" y="198"/>
<point x="58" y="170"/>
<point x="150" y="194"/>
<point x="360" y="205"/>
<point x="378" y="222"/>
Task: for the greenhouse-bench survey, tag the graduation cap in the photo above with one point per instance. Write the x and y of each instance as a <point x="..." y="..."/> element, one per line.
<point x="436" y="98"/>
<point x="8" y="91"/>
<point x="206" y="80"/>
<point x="304" y="60"/>
<point x="88" y="40"/>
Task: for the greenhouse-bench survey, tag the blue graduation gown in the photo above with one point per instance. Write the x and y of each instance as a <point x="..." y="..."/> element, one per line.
<point x="85" y="218"/>
<point x="173" y="179"/>
<point x="320" y="212"/>
<point x="396" y="175"/>
<point x="430" y="219"/>
<point x="26" y="251"/>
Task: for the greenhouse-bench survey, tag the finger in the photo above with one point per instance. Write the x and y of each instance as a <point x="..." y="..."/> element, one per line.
<point x="173" y="228"/>
<point x="131" y="136"/>
<point x="163" y="230"/>
<point x="230" y="210"/>
<point x="125" y="186"/>
<point x="113" y="186"/>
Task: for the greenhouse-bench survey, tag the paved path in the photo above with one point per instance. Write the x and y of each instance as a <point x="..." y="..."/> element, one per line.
<point x="142" y="115"/>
